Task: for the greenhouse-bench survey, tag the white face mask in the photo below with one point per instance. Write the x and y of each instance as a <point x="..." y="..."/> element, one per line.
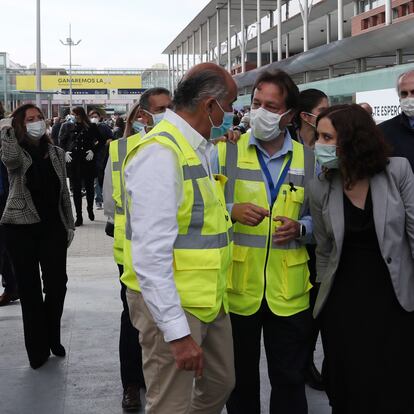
<point x="36" y="130"/>
<point x="265" y="124"/>
<point x="407" y="106"/>
<point x="94" y="120"/>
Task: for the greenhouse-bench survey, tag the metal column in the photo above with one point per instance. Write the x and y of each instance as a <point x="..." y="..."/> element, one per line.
<point x="218" y="36"/>
<point x="208" y="40"/>
<point x="259" y="33"/>
<point x="399" y="57"/>
<point x="173" y="71"/>
<point x="38" y="58"/>
<point x="328" y="29"/>
<point x="271" y="24"/>
<point x="182" y="59"/>
<point x="279" y="30"/>
<point x="340" y="19"/>
<point x="200" y="43"/>
<point x="169" y="71"/>
<point x="243" y="37"/>
<point x="194" y="53"/>
<point x="188" y="53"/>
<point x="305" y="10"/>
<point x="388" y="12"/>
<point x="287" y="46"/>
<point x="229" y="36"/>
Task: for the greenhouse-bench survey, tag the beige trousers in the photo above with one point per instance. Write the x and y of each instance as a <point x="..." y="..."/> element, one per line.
<point x="174" y="391"/>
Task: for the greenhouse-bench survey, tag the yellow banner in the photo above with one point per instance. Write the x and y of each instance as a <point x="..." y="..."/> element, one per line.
<point x="57" y="83"/>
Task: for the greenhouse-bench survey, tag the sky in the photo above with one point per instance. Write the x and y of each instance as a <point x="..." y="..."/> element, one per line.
<point x="114" y="33"/>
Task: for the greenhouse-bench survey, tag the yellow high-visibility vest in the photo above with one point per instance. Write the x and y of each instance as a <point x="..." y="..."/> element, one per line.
<point x="260" y="267"/>
<point x="118" y="151"/>
<point x="202" y="250"/>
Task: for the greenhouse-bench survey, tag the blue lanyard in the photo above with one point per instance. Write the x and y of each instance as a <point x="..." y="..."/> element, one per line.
<point x="274" y="189"/>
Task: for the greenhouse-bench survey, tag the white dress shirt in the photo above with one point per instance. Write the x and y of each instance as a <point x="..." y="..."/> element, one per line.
<point x="154" y="183"/>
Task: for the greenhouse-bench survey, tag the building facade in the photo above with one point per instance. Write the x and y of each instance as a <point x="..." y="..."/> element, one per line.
<point x="343" y="47"/>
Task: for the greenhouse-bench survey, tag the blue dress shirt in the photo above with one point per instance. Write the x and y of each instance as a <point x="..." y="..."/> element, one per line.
<point x="274" y="163"/>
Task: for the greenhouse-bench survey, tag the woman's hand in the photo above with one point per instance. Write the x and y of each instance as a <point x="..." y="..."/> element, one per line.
<point x="71" y="234"/>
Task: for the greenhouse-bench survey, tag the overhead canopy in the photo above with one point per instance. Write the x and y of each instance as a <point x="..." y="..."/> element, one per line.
<point x="390" y="38"/>
<point x="250" y="17"/>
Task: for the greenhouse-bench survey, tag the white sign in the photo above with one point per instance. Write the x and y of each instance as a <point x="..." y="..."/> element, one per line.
<point x="384" y="102"/>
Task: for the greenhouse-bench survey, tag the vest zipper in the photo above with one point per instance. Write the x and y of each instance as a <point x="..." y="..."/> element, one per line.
<point x="269" y="241"/>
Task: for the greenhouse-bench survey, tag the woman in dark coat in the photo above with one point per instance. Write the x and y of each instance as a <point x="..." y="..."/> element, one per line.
<point x="80" y="139"/>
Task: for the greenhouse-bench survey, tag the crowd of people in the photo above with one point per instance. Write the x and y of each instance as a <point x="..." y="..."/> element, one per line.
<point x="279" y="222"/>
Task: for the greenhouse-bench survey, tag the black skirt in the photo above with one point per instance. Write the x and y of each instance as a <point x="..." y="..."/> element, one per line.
<point x="368" y="337"/>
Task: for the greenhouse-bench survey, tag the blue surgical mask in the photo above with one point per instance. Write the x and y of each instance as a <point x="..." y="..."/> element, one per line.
<point x="138" y="126"/>
<point x="217" y="132"/>
<point x="156" y="118"/>
<point x="326" y="155"/>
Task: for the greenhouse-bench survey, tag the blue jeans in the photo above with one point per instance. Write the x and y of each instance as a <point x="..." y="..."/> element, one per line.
<point x="98" y="192"/>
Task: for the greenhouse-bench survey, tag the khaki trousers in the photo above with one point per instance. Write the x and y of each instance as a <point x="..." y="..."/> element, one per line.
<point x="174" y="391"/>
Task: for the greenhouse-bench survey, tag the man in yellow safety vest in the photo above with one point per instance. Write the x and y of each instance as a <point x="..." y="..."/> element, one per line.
<point x="269" y="288"/>
<point x="178" y="250"/>
<point x="152" y="107"/>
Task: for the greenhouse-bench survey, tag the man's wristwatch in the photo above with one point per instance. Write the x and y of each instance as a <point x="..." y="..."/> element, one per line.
<point x="302" y="230"/>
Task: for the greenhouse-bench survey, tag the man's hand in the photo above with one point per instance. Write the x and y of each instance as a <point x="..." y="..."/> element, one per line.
<point x="6" y="123"/>
<point x="248" y="214"/>
<point x="188" y="355"/>
<point x="289" y="230"/>
<point x="233" y="136"/>
<point x="89" y="155"/>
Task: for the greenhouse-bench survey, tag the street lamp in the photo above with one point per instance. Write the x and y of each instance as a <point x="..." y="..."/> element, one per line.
<point x="69" y="42"/>
<point x="38" y="58"/>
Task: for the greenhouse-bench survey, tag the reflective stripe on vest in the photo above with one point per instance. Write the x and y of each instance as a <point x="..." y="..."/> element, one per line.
<point x="117" y="167"/>
<point x="260" y="267"/>
<point x="193" y="239"/>
<point x="202" y="251"/>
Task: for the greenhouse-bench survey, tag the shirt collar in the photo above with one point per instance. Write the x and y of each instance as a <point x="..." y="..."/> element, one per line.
<point x="286" y="147"/>
<point x="194" y="138"/>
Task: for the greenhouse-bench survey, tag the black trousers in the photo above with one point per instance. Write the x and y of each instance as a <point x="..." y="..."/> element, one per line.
<point x="6" y="267"/>
<point x="31" y="246"/>
<point x="287" y="346"/>
<point x="89" y="183"/>
<point x="130" y="353"/>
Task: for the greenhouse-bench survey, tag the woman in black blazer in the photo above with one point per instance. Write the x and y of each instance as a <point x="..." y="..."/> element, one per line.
<point x="362" y="207"/>
<point x="39" y="227"/>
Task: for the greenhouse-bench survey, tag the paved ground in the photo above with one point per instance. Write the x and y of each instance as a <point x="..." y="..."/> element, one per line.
<point x="87" y="380"/>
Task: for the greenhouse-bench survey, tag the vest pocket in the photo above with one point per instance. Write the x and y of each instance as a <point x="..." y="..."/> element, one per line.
<point x="296" y="273"/>
<point x="195" y="274"/>
<point x="293" y="202"/>
<point x="237" y="279"/>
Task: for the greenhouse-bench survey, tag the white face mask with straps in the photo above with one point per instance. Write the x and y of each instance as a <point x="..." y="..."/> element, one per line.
<point x="265" y="124"/>
<point x="407" y="106"/>
<point x="36" y="130"/>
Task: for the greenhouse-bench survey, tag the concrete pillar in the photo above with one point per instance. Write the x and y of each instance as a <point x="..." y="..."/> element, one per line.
<point x="229" y="36"/>
<point x="182" y="59"/>
<point x="259" y="34"/>
<point x="194" y="49"/>
<point x="331" y="72"/>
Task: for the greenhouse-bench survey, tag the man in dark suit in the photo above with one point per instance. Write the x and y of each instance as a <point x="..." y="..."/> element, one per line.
<point x="399" y="131"/>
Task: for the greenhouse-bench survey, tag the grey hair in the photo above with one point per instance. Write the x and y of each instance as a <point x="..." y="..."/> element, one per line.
<point x="195" y="88"/>
<point x="409" y="72"/>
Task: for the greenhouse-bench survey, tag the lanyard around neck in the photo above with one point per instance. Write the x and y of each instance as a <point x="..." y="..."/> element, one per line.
<point x="274" y="189"/>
